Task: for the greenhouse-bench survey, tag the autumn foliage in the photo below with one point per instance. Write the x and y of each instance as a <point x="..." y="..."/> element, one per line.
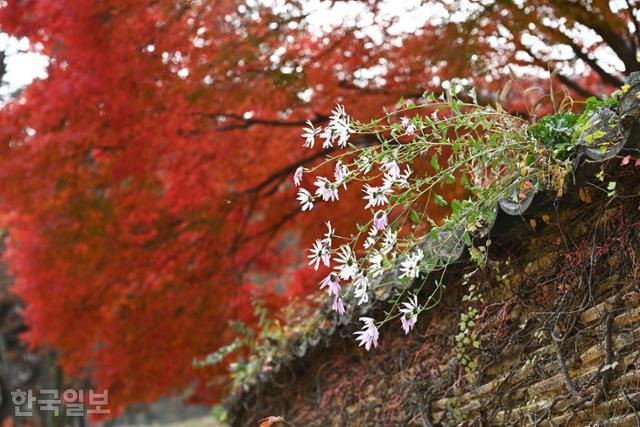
<point x="146" y="183"/>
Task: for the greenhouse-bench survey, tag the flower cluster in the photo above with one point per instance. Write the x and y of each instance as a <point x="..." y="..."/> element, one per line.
<point x="336" y="133"/>
<point x="480" y="143"/>
<point x="382" y="236"/>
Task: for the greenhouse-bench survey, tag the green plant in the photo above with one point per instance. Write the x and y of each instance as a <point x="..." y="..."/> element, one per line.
<point x="556" y="132"/>
<point x="591" y="105"/>
<point x="453" y="145"/>
<point x="467" y="338"/>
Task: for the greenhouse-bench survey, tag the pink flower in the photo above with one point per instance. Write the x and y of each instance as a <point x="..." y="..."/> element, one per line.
<point x="392" y="169"/>
<point x="407" y="324"/>
<point x="380" y="220"/>
<point x="338" y="305"/>
<point x="332" y="282"/>
<point x="625" y="160"/>
<point x="369" y="334"/>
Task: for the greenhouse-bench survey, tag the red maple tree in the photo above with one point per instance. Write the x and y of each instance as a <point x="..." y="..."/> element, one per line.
<point x="146" y="183"/>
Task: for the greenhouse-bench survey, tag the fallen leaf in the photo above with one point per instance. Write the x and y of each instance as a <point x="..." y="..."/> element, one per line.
<point x="584" y="195"/>
<point x="270" y="421"/>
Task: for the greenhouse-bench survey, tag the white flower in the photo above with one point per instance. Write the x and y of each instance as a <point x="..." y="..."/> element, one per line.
<point x="403" y="180"/>
<point x="371" y="238"/>
<point x="392" y="168"/>
<point x="347" y="267"/>
<point x="341" y="172"/>
<point x="338" y="305"/>
<point x="309" y="134"/>
<point x="408" y="125"/>
<point x="410" y="267"/>
<point x="376" y="196"/>
<point x="338" y="114"/>
<point x="342" y="135"/>
<point x="339" y="122"/>
<point x="327" y="190"/>
<point x="360" y="287"/>
<point x="400" y="180"/>
<point x="388" y="241"/>
<point x="297" y="176"/>
<point x="328" y="136"/>
<point x="388" y="181"/>
<point x="329" y="234"/>
<point x="375" y="264"/>
<point x="368" y="335"/>
<point x="409" y="312"/>
<point x="332" y="282"/>
<point x="306" y="199"/>
<point x="380" y="220"/>
<point x="410" y="306"/>
<point x="338" y="129"/>
<point x="319" y="253"/>
<point x="364" y="164"/>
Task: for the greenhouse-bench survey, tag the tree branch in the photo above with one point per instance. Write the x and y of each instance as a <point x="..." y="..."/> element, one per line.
<point x="634" y="21"/>
<point x="288" y="170"/>
<point x="246" y="122"/>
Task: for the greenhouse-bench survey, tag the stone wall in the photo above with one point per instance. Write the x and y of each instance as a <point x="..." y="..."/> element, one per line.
<point x="559" y="334"/>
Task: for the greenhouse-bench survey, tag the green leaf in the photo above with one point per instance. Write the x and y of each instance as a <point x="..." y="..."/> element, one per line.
<point x="467" y="239"/>
<point x="464" y="181"/>
<point x="439" y="200"/>
<point x="456" y="206"/>
<point x="415" y="217"/>
<point x="474" y="96"/>
<point x="434" y="163"/>
<point x="219" y="413"/>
